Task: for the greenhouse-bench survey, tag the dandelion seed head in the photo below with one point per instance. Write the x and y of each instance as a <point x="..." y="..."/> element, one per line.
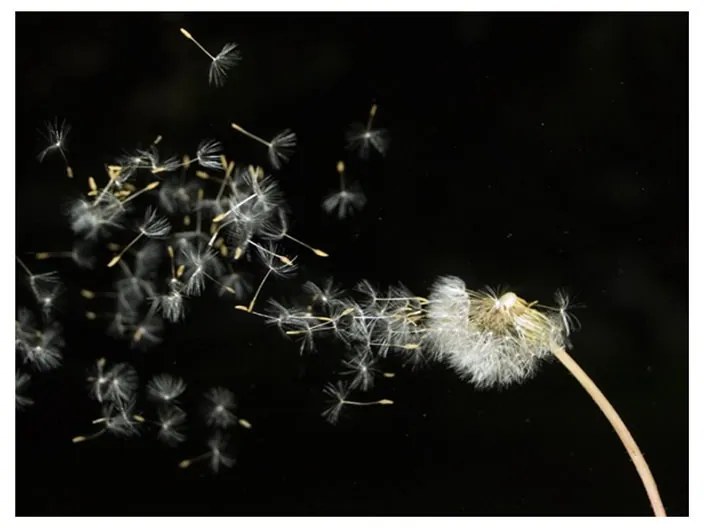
<point x="489" y="338"/>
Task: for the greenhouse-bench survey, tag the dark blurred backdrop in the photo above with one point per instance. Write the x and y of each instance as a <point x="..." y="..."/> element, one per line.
<point x="534" y="151"/>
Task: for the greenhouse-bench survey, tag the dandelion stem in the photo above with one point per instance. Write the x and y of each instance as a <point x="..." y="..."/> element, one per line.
<point x="190" y="37"/>
<point x="249" y="134"/>
<point x="372" y="113"/>
<point x="618" y="425"/>
<point x="259" y="289"/>
<point x="148" y="188"/>
<point x="79" y="439"/>
<point x="102" y="193"/>
<point x="341" y="172"/>
<point x="223" y="286"/>
<point x="379" y="402"/>
<point x="228" y="171"/>
<point x="53" y="254"/>
<point x="199" y="211"/>
<point x="117" y="257"/>
<point x="187" y="462"/>
<point x="224" y="215"/>
<point x="24" y="267"/>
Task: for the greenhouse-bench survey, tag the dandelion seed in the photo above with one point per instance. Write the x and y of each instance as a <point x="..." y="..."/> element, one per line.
<point x="81" y="254"/>
<point x="46" y="287"/>
<point x="327" y="295"/>
<point x="220" y="409"/>
<point x="92" y="219"/>
<point x="281" y="147"/>
<point x="178" y="197"/>
<point x="216" y="455"/>
<point x="165" y="388"/>
<point x="564" y="306"/>
<point x="171" y="305"/>
<point x="40" y="347"/>
<point x="121" y="383"/>
<point x="200" y="265"/>
<point x="55" y="135"/>
<point x="171" y="425"/>
<point x="361" y="138"/>
<point x="98" y="380"/>
<point x="117" y="420"/>
<point x="147" y="332"/>
<point x="347" y="200"/>
<point x="220" y="64"/>
<point x="361" y="366"/>
<point x="285" y="268"/>
<point x="236" y="284"/>
<point x="21" y="382"/>
<point x="338" y="393"/>
<point x="279" y="231"/>
<point x="153" y="226"/>
<point x="209" y="154"/>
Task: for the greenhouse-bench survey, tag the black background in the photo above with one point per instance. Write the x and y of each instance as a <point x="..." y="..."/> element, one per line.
<point x="533" y="151"/>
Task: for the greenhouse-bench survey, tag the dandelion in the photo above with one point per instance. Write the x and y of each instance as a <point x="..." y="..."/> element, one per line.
<point x="497" y="339"/>
<point x="221" y="63"/>
<point x="492" y="339"/>
<point x="220" y="407"/>
<point x="338" y="393"/>
<point x="153" y="226"/>
<point x="345" y="201"/>
<point x="361" y="138"/>
<point x="281" y="147"/>
<point x="216" y="455"/>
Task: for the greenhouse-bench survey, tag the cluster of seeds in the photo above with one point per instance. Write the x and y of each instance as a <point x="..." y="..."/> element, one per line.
<point x="490" y="338"/>
<point x="167" y="229"/>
